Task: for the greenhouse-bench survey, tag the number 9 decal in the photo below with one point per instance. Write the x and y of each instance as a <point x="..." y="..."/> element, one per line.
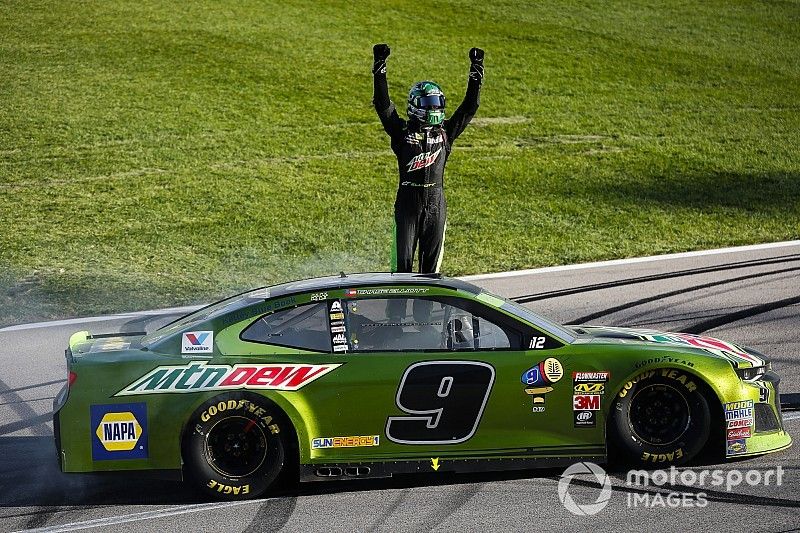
<point x="446" y="399"/>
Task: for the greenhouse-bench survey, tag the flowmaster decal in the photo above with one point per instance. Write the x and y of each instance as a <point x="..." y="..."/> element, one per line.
<point x="199" y="376"/>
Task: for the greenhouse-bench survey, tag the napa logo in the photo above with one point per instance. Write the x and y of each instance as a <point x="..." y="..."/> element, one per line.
<point x="198" y="342"/>
<point x="119" y="431"/>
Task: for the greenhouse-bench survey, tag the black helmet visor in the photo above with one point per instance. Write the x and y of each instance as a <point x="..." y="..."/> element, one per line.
<point x="431" y="102"/>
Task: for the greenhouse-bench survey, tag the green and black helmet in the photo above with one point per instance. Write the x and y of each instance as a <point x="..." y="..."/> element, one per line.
<point x="426" y="103"/>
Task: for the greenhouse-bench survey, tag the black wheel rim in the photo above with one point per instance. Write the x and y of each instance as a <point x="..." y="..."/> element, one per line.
<point x="659" y="414"/>
<point x="236" y="446"/>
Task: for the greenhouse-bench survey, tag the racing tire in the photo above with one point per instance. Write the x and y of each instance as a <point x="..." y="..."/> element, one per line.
<point x="234" y="446"/>
<point x="660" y="417"/>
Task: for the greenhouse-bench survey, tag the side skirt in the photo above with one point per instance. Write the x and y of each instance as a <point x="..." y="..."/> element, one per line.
<point x="372" y="470"/>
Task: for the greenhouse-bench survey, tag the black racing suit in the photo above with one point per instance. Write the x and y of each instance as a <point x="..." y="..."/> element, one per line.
<point x="420" y="210"/>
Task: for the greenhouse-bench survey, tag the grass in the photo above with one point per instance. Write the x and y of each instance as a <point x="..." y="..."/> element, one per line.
<point x="156" y="154"/>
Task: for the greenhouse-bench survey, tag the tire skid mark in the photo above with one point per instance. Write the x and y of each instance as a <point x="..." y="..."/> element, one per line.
<point x="701" y="327"/>
<point x="448" y="506"/>
<point x="387" y="513"/>
<point x="669" y="294"/>
<point x="272" y="515"/>
<point x="24" y="412"/>
<point x="655" y="277"/>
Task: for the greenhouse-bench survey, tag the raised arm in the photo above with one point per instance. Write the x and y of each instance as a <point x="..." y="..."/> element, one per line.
<point x="392" y="123"/>
<point x="456" y="124"/>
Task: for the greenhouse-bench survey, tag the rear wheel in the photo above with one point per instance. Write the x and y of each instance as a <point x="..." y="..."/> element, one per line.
<point x="234" y="447"/>
<point x="660" y="417"/>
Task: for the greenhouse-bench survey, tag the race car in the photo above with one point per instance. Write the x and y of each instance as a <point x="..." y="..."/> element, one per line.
<point x="371" y="375"/>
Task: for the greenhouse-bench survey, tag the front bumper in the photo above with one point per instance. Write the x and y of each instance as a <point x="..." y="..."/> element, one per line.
<point x="754" y="424"/>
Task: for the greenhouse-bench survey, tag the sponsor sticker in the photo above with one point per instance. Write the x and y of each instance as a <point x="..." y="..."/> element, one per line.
<point x="585" y="419"/>
<point x="738" y="433"/>
<point x="345" y="442"/>
<point x="339" y="339"/>
<point x="337" y="316"/>
<point x="350" y="292"/>
<point x="590" y="377"/>
<point x="340" y="348"/>
<point x="119" y="431"/>
<point x="589" y="388"/>
<point x="197" y="342"/>
<point x="586" y="402"/>
<point x="736" y="447"/>
<point x="337" y="329"/>
<point x="538" y="379"/>
<point x="739" y="414"/>
<point x="199" y="376"/>
<point x="320" y="296"/>
<point x="336" y="307"/>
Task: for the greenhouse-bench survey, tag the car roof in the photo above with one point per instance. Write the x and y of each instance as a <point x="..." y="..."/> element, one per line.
<point x="347" y="281"/>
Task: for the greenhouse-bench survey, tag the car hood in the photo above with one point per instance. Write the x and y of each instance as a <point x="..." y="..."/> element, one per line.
<point x="738" y="356"/>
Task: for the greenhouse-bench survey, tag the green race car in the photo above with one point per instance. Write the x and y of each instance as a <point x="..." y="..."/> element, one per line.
<point x="369" y="375"/>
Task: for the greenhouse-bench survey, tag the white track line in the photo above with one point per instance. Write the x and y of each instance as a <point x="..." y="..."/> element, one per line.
<point x="476" y="277"/>
<point x="74" y="321"/>
<point x="794" y="415"/>
<point x="147" y="515"/>
<point x="614" y="262"/>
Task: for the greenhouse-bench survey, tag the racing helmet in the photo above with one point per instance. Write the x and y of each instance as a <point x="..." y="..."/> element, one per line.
<point x="426" y="103"/>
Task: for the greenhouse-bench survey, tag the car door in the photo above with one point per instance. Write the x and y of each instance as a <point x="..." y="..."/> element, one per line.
<point x="435" y="375"/>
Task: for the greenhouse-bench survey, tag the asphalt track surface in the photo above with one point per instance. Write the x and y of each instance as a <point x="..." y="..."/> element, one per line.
<point x="749" y="297"/>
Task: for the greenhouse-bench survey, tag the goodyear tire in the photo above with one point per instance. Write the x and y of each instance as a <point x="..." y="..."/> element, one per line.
<point x="660" y="417"/>
<point x="234" y="446"/>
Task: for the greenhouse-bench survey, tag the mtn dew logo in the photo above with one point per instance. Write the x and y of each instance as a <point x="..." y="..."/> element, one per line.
<point x="423" y="160"/>
<point x="199" y="376"/>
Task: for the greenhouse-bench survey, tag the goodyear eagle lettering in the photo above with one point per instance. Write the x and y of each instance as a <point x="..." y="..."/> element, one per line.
<point x="200" y="376"/>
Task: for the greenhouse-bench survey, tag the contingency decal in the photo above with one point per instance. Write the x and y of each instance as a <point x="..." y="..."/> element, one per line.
<point x="345" y="442"/>
<point x="197" y="342"/>
<point x="587" y="390"/>
<point x="738" y="426"/>
<point x="119" y="431"/>
<point x="199" y="376"/>
<point x="338" y="327"/>
<point x="538" y="379"/>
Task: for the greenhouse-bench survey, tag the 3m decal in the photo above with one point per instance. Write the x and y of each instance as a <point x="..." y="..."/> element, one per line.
<point x="199" y="376"/>
<point x="586" y="402"/>
<point x="198" y="342"/>
<point x="444" y="400"/>
<point x="119" y="431"/>
<point x="345" y="442"/>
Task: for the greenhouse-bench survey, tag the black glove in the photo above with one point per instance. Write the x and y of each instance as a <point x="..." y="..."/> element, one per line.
<point x="381" y="51"/>
<point x="475" y="56"/>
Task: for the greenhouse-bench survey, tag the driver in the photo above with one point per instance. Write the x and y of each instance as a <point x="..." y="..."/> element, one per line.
<point x="422" y="145"/>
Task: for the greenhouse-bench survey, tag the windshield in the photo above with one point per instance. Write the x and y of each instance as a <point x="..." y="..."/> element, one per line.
<point x="206" y="313"/>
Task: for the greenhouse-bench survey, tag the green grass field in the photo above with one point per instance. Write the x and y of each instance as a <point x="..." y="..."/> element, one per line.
<point x="155" y="154"/>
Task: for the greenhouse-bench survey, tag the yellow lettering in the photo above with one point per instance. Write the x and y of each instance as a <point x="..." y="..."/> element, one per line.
<point x="211" y="483"/>
<point x="691" y="386"/>
<point x="267" y="419"/>
<point x="274" y="428"/>
<point x="204" y="417"/>
<point x="246" y="489"/>
<point x="679" y="453"/>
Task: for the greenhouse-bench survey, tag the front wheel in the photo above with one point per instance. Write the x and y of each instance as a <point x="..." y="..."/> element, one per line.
<point x="660" y="417"/>
<point x="234" y="447"/>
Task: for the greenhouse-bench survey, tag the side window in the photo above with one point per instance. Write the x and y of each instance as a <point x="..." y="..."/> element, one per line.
<point x="304" y="327"/>
<point x="418" y="324"/>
